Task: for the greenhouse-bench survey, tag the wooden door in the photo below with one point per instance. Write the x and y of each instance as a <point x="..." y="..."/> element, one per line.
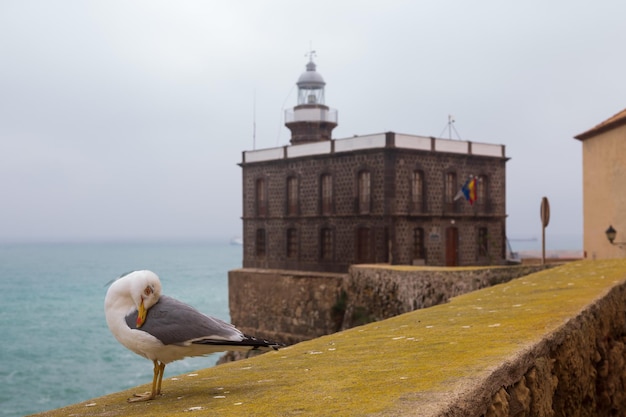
<point x="452" y="245"/>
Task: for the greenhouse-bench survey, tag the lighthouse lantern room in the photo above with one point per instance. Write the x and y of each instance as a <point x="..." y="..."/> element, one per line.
<point x="311" y="120"/>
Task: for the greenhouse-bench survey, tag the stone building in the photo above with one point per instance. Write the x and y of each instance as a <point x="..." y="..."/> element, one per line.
<point x="604" y="187"/>
<point x="322" y="204"/>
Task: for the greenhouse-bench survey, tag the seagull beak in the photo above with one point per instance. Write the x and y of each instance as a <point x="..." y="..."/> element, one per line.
<point x="141" y="314"/>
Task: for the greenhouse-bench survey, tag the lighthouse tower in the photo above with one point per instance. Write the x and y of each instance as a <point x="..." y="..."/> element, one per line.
<point x="311" y="120"/>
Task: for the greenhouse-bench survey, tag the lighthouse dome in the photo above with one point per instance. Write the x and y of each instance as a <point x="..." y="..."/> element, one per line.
<point x="310" y="79"/>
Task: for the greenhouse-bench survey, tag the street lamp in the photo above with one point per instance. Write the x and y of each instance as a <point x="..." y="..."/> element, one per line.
<point x="611" y="234"/>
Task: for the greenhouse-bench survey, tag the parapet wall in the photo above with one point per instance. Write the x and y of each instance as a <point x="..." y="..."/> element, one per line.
<point x="376" y="292"/>
<point x="292" y="306"/>
<point x="549" y="344"/>
<point x="577" y="370"/>
<point x="288" y="306"/>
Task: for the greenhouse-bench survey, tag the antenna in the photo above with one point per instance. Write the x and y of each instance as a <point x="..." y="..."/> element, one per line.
<point x="254" y="120"/>
<point x="450" y="127"/>
<point x="282" y="114"/>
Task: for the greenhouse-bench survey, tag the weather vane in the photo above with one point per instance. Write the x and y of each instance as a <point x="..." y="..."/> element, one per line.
<point x="311" y="52"/>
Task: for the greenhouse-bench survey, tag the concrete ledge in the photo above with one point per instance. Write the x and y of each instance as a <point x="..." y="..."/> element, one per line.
<point x="544" y="344"/>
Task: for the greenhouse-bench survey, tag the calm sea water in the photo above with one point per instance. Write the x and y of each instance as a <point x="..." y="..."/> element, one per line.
<point x="55" y="347"/>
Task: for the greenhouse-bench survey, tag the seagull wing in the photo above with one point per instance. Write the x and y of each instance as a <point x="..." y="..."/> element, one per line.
<point x="176" y="323"/>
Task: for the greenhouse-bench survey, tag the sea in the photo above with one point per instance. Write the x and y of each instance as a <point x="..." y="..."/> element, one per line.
<point x="55" y="346"/>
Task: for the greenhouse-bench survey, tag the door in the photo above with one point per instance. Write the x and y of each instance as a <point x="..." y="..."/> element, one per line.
<point x="452" y="244"/>
<point x="363" y="245"/>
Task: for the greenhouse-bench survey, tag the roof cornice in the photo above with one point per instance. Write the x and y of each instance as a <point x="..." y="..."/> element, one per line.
<point x="612" y="122"/>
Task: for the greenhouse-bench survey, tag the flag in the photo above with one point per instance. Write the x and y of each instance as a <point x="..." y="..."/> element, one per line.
<point x="468" y="191"/>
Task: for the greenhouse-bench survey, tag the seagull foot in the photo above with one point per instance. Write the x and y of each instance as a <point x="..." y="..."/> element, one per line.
<point x="146" y="396"/>
<point x="159" y="367"/>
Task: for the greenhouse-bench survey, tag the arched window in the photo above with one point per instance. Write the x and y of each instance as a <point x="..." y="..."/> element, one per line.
<point x="326" y="244"/>
<point x="450" y="191"/>
<point x="365" y="197"/>
<point x="363" y="244"/>
<point x="260" y="242"/>
<point x="292" y="243"/>
<point x="483" y="242"/>
<point x="482" y="192"/>
<point x="292" y="196"/>
<point x="417" y="190"/>
<point x="326" y="194"/>
<point x="261" y="197"/>
<point x="418" y="243"/>
<point x="450" y="187"/>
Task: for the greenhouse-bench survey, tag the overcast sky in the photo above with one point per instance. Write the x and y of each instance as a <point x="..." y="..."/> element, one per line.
<point x="126" y="119"/>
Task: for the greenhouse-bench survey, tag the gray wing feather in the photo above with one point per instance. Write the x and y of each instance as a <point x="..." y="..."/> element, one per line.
<point x="174" y="322"/>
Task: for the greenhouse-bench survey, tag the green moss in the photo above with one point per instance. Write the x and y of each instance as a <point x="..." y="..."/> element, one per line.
<point x="361" y="315"/>
<point x="339" y="309"/>
<point x="379" y="367"/>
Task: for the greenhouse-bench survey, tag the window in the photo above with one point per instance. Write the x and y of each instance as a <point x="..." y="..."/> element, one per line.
<point x="450" y="192"/>
<point x="365" y="197"/>
<point x="326" y="184"/>
<point x="450" y="187"/>
<point x="417" y="190"/>
<point x="292" y="243"/>
<point x="261" y="197"/>
<point x="260" y="242"/>
<point x="326" y="244"/>
<point x="483" y="241"/>
<point x="418" y="243"/>
<point x="292" y="196"/>
<point x="482" y="193"/>
<point x="363" y="245"/>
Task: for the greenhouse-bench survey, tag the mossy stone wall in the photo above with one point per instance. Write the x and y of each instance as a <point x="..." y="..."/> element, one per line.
<point x="292" y="306"/>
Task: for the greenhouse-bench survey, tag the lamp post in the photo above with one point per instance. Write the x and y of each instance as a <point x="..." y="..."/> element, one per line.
<point x="611" y="234"/>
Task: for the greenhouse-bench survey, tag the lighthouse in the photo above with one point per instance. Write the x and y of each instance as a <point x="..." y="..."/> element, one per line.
<point x="310" y="120"/>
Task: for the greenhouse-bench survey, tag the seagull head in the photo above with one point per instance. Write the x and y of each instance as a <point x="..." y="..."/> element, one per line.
<point x="142" y="289"/>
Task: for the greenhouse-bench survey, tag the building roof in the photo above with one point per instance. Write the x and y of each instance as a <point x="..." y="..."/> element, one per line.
<point x="376" y="141"/>
<point x="611" y="123"/>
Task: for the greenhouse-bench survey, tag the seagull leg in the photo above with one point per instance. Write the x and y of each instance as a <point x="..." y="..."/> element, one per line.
<point x="161" y="371"/>
<point x="159" y="367"/>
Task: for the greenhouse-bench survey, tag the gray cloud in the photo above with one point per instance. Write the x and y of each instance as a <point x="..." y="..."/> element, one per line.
<point x="125" y="120"/>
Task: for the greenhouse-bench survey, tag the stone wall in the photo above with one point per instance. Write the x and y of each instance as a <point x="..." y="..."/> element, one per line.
<point x="287" y="306"/>
<point x="375" y="293"/>
<point x="292" y="306"/>
<point x="578" y="371"/>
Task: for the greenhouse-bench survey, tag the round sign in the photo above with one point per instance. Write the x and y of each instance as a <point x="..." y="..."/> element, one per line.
<point x="545" y="212"/>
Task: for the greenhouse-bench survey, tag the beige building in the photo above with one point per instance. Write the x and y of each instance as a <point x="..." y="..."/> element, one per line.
<point x="604" y="187"/>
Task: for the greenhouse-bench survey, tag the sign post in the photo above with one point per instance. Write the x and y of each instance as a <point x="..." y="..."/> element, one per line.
<point x="545" y="219"/>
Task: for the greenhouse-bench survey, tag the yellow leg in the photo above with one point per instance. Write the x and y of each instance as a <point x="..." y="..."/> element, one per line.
<point x="159" y="367"/>
<point x="161" y="371"/>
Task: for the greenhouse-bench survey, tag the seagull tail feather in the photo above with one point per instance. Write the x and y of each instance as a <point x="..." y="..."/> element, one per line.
<point x="251" y="342"/>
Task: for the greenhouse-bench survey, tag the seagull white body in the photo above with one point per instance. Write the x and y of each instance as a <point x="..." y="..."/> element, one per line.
<point x="163" y="329"/>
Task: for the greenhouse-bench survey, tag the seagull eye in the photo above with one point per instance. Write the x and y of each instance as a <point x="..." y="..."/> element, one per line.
<point x="147" y="291"/>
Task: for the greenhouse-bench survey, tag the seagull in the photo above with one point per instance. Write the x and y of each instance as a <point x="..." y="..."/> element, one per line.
<point x="163" y="329"/>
